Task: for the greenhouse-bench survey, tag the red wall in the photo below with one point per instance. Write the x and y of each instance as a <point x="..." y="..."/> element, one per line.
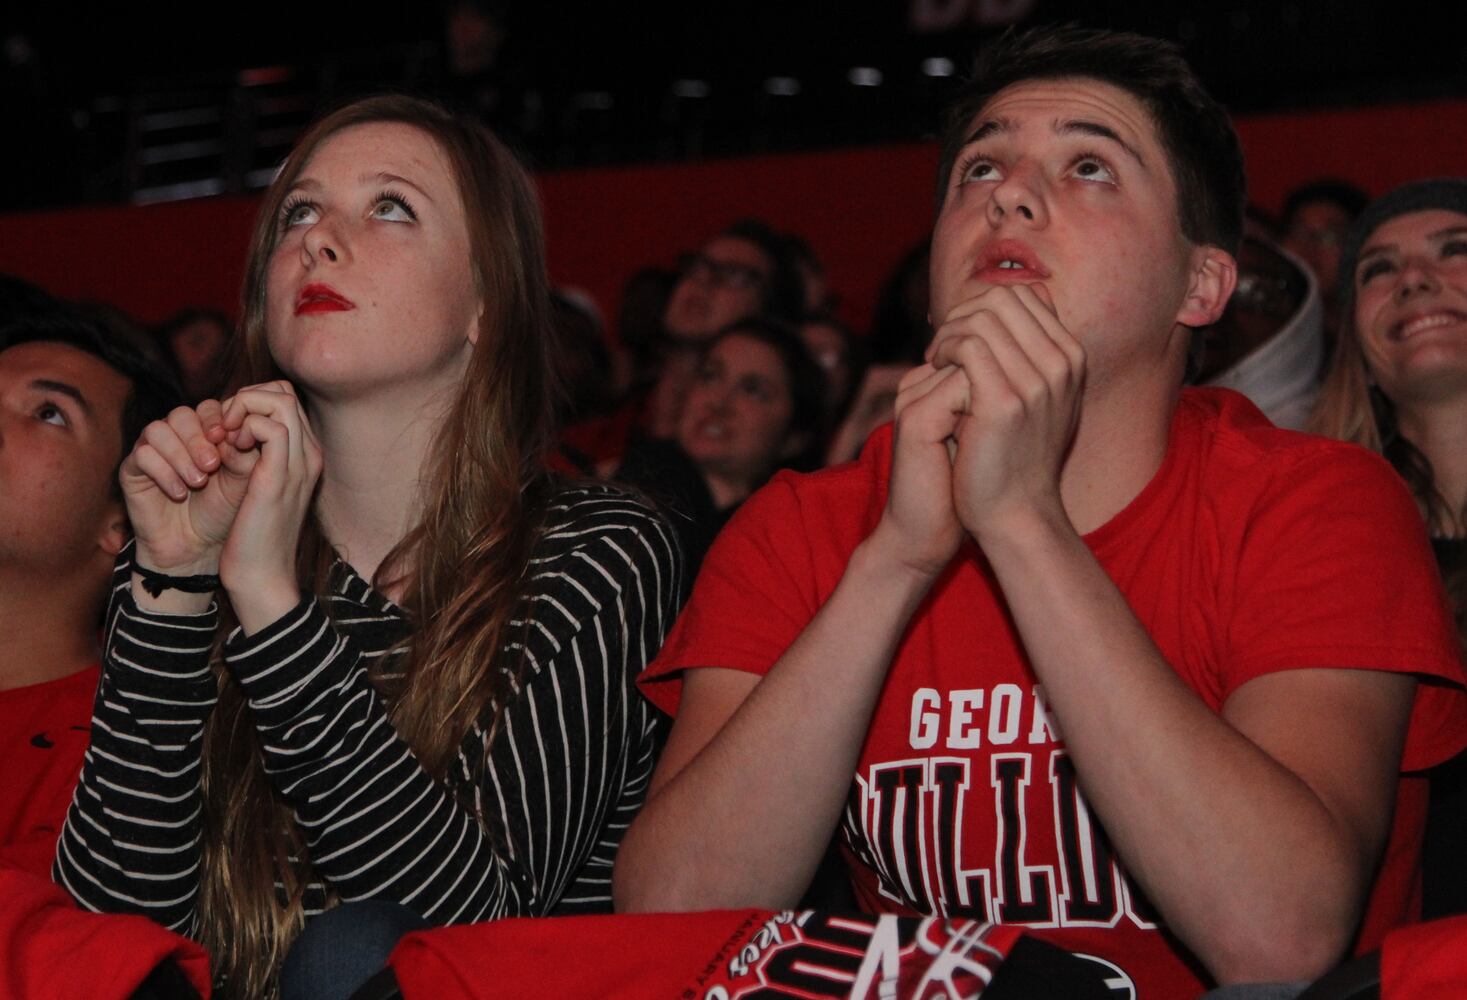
<point x="861" y="209"/>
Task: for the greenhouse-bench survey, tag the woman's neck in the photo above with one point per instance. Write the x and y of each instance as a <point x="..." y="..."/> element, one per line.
<point x="1438" y="429"/>
<point x="375" y="457"/>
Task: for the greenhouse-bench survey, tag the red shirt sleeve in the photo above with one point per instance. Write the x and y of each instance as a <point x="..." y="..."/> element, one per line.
<point x="1335" y="571"/>
<point x="755" y="593"/>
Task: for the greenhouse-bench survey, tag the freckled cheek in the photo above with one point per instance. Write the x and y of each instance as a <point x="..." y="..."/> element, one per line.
<point x="418" y="293"/>
<point x="277" y="288"/>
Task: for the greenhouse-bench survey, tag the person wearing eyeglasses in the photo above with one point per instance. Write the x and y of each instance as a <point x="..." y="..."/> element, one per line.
<point x="1314" y="224"/>
<point x="749" y="269"/>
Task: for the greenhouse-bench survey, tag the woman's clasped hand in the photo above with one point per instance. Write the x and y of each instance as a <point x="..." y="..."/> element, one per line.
<point x="224" y="489"/>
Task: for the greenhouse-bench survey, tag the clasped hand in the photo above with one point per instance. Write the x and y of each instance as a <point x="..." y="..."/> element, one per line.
<point x="982" y="428"/>
<point x="224" y="488"/>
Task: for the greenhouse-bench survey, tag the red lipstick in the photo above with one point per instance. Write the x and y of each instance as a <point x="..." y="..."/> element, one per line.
<point x="1009" y="262"/>
<point x="319" y="298"/>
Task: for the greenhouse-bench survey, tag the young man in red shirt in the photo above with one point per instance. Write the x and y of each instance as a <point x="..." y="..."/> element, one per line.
<point x="1069" y="646"/>
<point x="72" y="400"/>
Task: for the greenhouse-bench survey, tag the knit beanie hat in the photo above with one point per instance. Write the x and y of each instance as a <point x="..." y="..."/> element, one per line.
<point x="1449" y="193"/>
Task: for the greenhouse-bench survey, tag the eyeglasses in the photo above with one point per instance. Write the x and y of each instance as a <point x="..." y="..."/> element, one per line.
<point x="725" y="273"/>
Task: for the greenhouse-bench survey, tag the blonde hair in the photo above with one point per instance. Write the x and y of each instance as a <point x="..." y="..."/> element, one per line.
<point x="1351" y="408"/>
<point x="462" y="567"/>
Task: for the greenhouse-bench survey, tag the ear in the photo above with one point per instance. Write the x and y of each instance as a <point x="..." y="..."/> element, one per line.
<point x="115" y="530"/>
<point x="474" y="325"/>
<point x="1214" y="275"/>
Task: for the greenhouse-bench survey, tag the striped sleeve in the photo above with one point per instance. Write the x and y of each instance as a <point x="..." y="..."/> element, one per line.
<point x="561" y="774"/>
<point x="131" y="839"/>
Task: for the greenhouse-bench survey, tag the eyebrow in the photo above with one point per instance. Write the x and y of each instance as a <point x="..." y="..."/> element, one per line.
<point x="65" y="389"/>
<point x="1072" y="126"/>
<point x="988" y="129"/>
<point x="1081" y="126"/>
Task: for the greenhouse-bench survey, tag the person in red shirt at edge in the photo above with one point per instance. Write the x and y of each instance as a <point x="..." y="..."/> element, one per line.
<point x="1069" y="646"/>
<point x="70" y="396"/>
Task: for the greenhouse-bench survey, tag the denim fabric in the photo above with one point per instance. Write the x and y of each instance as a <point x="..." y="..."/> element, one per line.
<point x="341" y="949"/>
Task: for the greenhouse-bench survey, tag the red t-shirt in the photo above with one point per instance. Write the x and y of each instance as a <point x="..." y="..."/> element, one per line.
<point x="44" y="731"/>
<point x="1426" y="960"/>
<point x="1252" y="550"/>
<point x="50" y="950"/>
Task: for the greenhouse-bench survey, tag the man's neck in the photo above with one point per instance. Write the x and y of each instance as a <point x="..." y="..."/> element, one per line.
<point x="46" y="631"/>
<point x="1119" y="446"/>
<point x="375" y="453"/>
<point x="1438" y="429"/>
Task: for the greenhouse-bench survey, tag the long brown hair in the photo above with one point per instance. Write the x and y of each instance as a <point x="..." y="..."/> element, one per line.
<point x="462" y="567"/>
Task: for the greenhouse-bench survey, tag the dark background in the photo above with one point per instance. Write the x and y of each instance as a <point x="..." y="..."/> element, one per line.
<point x="576" y="85"/>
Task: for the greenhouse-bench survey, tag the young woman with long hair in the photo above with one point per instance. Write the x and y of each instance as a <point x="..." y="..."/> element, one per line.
<point x="365" y="646"/>
<point x="1398" y="385"/>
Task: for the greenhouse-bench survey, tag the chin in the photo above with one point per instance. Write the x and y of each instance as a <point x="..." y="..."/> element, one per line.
<point x="702" y="456"/>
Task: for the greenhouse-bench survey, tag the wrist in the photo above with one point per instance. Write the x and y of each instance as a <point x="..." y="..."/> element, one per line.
<point x="885" y="552"/>
<point x="168" y="601"/>
<point x="197" y="565"/>
<point x="260" y="605"/>
<point x="1021" y="528"/>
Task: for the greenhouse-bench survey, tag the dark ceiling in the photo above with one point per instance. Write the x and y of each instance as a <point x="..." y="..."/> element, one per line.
<point x="147" y="103"/>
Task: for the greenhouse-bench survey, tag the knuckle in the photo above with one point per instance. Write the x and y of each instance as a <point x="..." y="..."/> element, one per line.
<point x="1003" y="403"/>
<point x="912" y="377"/>
<point x="156" y="432"/>
<point x="1036" y="393"/>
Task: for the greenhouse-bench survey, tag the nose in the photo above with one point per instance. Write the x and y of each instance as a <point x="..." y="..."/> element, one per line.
<point x="1418" y="274"/>
<point x="722" y="401"/>
<point x="1019" y="197"/>
<point x="323" y="242"/>
<point x="701" y="276"/>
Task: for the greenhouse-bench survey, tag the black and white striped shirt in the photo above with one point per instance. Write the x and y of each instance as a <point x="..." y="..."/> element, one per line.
<point x="564" y="775"/>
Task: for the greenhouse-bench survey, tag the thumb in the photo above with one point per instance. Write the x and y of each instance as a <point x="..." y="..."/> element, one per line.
<point x="235" y="466"/>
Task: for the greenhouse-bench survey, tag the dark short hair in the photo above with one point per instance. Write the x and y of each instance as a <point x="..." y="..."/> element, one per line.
<point x="154" y="391"/>
<point x="784" y="292"/>
<point x="188" y="316"/>
<point x="1202" y="147"/>
<point x="1342" y="194"/>
<point x="20" y="299"/>
<point x="806" y="378"/>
